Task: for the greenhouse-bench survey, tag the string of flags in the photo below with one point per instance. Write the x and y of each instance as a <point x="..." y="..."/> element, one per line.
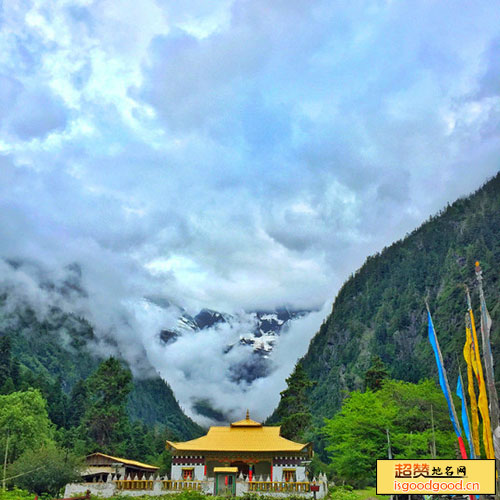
<point x="484" y="402"/>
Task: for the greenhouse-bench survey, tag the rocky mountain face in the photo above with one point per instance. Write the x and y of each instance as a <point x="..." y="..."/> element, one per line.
<point x="258" y="330"/>
<point x="261" y="336"/>
<point x="380" y="309"/>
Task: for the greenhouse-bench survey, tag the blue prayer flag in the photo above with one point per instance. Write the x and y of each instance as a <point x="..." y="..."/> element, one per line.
<point x="442" y="377"/>
<point x="465" y="417"/>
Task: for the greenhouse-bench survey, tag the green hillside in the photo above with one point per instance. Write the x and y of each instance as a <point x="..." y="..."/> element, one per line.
<point x="54" y="352"/>
<point x="152" y="401"/>
<point x="380" y="309"/>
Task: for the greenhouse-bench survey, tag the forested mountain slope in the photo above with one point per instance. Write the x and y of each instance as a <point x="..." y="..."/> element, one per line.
<point x="380" y="310"/>
<point x="54" y="351"/>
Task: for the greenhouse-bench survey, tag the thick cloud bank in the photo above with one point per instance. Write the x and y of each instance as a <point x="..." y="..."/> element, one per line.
<point x="233" y="154"/>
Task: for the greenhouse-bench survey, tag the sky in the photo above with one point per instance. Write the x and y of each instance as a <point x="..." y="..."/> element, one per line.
<point x="234" y="154"/>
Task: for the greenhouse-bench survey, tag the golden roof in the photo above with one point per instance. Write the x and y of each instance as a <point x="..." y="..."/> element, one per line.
<point x="242" y="436"/>
<point x="124" y="461"/>
<point x="247" y="422"/>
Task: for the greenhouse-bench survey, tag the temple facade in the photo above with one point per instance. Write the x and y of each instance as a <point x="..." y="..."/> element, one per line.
<point x="246" y="450"/>
<point x="244" y="457"/>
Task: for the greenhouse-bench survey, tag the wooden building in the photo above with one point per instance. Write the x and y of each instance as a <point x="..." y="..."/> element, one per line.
<point x="99" y="466"/>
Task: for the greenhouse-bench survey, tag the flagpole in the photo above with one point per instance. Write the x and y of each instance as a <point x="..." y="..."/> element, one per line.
<point x="389" y="450"/>
<point x="478" y="370"/>
<point x="433" y="447"/>
<point x="488" y="359"/>
<point x="490" y="376"/>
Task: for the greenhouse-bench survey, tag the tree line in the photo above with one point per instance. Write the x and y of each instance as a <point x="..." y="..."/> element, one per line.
<point x="44" y="432"/>
<point x="403" y="419"/>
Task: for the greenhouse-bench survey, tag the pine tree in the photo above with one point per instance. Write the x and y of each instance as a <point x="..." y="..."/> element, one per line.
<point x="105" y="419"/>
<point x="376" y="374"/>
<point x="77" y="403"/>
<point x="293" y="412"/>
<point x="57" y="403"/>
<point x="5" y="359"/>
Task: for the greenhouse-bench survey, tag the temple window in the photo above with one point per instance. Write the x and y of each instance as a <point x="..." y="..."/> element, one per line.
<point x="187" y="474"/>
<point x="289" y="475"/>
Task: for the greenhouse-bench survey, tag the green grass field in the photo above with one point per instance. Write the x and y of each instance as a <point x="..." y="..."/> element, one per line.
<point x="369" y="493"/>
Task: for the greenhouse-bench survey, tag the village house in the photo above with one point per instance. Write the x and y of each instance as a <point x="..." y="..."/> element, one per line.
<point x="100" y="466"/>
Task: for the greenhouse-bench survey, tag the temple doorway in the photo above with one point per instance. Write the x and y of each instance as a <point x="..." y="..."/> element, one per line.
<point x="225" y="480"/>
<point x="242" y="468"/>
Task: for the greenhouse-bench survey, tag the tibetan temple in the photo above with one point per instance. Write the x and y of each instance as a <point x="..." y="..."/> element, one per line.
<point x="245" y="449"/>
<point x="244" y="457"/>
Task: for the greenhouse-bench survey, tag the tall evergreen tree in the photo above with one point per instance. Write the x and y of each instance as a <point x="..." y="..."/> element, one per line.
<point x="376" y="374"/>
<point x="77" y="403"/>
<point x="105" y="419"/>
<point x="293" y="412"/>
<point x="57" y="403"/>
<point x="5" y="359"/>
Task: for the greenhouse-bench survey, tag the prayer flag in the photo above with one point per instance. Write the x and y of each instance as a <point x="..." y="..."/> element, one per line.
<point x="488" y="364"/>
<point x="472" y="391"/>
<point x="483" y="398"/>
<point x="465" y="416"/>
<point x="443" y="381"/>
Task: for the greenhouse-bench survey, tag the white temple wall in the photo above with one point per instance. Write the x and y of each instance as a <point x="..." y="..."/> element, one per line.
<point x="176" y="472"/>
<point x="198" y="472"/>
<point x="300" y="472"/>
<point x="104" y="490"/>
<point x="109" y="489"/>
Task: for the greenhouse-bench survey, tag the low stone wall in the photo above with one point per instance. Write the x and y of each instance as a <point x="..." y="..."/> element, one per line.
<point x="104" y="490"/>
<point x="157" y="487"/>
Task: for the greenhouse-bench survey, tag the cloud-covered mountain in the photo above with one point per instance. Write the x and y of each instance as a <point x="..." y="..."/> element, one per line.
<point x="266" y="326"/>
<point x="257" y="330"/>
<point x="380" y="310"/>
<point x="233" y="354"/>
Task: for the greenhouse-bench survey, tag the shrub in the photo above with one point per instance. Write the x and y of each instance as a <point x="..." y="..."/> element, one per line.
<point x="45" y="470"/>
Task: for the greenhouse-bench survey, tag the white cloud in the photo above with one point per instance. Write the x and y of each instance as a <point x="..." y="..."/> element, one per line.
<point x="235" y="154"/>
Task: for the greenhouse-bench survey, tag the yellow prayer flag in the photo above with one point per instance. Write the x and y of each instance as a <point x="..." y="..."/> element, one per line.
<point x="483" y="398"/>
<point x="472" y="391"/>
